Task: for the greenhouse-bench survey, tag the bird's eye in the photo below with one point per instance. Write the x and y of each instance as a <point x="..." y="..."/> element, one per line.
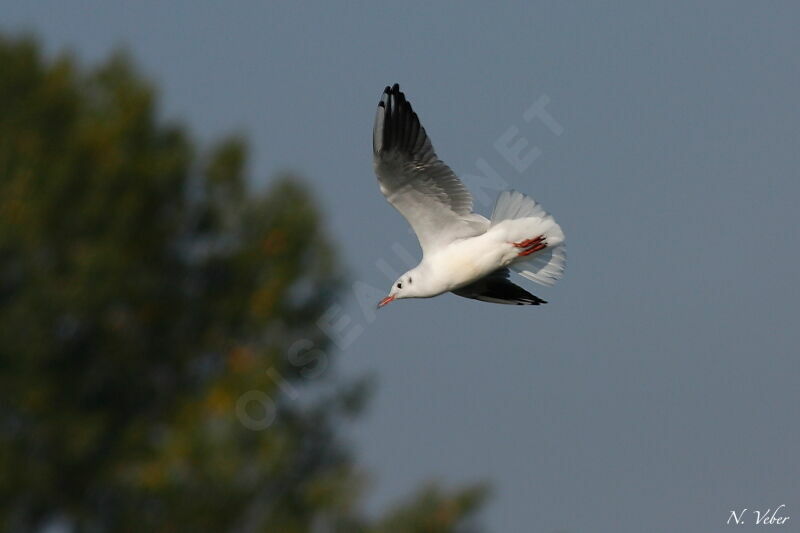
<point x="399" y="285"/>
<point x="410" y="281"/>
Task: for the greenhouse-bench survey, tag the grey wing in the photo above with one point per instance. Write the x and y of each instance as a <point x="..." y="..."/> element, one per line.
<point x="497" y="288"/>
<point x="422" y="188"/>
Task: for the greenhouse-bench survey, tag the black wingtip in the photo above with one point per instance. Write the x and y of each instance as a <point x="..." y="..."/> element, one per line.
<point x="537" y="301"/>
<point x="400" y="129"/>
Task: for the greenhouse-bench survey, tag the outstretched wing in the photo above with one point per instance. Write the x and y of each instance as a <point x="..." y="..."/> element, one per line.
<point x="425" y="191"/>
<point x="496" y="288"/>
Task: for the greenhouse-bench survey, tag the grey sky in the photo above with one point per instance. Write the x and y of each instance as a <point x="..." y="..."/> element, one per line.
<point x="659" y="388"/>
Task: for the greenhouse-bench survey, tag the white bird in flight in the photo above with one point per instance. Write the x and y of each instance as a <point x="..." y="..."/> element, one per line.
<point x="462" y="252"/>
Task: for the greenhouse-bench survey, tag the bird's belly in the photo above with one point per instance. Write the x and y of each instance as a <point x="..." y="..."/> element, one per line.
<point x="471" y="259"/>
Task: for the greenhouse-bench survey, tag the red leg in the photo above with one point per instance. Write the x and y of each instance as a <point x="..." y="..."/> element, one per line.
<point x="531" y="246"/>
<point x="532" y="250"/>
<point x="529" y="242"/>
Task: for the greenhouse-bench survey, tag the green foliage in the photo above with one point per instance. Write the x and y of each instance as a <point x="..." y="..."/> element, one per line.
<point x="143" y="290"/>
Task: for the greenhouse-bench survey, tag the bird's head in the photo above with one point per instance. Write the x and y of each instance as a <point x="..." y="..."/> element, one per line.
<point x="402" y="288"/>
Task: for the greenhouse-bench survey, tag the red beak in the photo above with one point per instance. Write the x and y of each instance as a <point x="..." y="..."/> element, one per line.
<point x="385" y="301"/>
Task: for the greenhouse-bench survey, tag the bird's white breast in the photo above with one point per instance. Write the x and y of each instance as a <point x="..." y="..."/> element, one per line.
<point x="467" y="260"/>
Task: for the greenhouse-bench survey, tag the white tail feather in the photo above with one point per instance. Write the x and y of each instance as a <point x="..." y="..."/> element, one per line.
<point x="545" y="267"/>
<point x="511" y="205"/>
<point x="531" y="220"/>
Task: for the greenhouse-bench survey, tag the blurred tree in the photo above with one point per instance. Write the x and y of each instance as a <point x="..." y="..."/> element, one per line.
<point x="147" y="304"/>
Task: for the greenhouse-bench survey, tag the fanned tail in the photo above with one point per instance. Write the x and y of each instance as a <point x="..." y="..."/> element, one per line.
<point x="524" y="220"/>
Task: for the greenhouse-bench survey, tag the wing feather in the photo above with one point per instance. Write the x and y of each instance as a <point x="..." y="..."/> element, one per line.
<point x="421" y="187"/>
<point x="497" y="288"/>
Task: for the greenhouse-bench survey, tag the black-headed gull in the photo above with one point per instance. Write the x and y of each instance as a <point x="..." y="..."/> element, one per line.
<point x="462" y="252"/>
